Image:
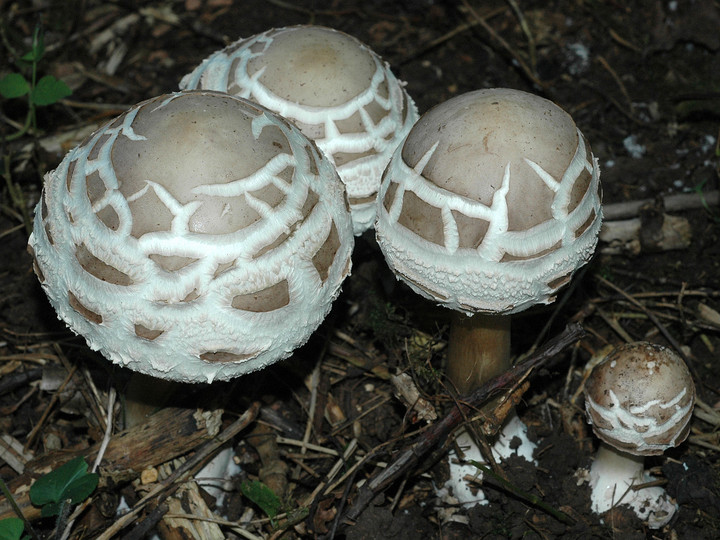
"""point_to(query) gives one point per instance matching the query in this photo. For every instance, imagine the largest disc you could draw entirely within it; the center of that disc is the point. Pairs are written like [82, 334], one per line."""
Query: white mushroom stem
[215, 477]
[479, 349]
[461, 466]
[612, 477]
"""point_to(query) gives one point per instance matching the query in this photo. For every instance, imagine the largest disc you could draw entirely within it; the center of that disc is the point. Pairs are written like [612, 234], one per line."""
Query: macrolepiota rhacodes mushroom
[639, 400]
[334, 88]
[196, 237]
[488, 208]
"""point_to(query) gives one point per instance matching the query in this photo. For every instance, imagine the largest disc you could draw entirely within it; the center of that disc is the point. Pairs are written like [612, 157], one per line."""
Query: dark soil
[641, 80]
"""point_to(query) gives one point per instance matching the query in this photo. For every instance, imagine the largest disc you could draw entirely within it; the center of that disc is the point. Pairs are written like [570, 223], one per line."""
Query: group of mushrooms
[204, 234]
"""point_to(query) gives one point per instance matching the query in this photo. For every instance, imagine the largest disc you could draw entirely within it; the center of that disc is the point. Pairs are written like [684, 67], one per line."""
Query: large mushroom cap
[195, 237]
[335, 89]
[491, 203]
[640, 398]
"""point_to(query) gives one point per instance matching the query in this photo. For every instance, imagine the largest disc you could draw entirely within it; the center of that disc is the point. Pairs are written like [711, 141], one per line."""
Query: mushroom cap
[640, 398]
[491, 203]
[197, 236]
[333, 87]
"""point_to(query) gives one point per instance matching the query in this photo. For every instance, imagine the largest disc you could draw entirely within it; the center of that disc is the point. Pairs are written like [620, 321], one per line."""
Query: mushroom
[639, 400]
[334, 88]
[196, 237]
[488, 207]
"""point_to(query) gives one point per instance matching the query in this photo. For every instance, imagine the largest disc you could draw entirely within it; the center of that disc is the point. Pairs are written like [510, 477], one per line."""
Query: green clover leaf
[11, 528]
[49, 90]
[14, 85]
[70, 482]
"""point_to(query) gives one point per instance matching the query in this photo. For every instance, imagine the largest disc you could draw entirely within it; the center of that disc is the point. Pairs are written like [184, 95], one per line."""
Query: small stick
[126, 454]
[168, 486]
[671, 203]
[108, 430]
[438, 432]
[15, 380]
[459, 29]
[528, 34]
[618, 81]
[663, 330]
[505, 45]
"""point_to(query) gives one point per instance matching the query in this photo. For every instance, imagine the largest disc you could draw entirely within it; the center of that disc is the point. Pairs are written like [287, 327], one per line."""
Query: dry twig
[437, 433]
[168, 486]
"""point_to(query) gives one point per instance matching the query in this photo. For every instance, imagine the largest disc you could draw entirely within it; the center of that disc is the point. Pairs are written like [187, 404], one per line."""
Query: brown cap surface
[640, 398]
[196, 237]
[333, 87]
[491, 203]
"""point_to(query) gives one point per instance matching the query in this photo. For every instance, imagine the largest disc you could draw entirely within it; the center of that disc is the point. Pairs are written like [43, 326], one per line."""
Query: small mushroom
[196, 237]
[488, 208]
[333, 87]
[639, 400]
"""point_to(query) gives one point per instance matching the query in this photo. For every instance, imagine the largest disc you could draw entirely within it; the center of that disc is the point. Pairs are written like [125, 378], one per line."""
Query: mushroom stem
[144, 395]
[478, 349]
[613, 475]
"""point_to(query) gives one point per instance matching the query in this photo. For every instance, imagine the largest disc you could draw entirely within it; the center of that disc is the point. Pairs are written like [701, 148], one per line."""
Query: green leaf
[81, 488]
[11, 528]
[13, 85]
[51, 509]
[49, 90]
[28, 58]
[263, 496]
[70, 481]
[38, 47]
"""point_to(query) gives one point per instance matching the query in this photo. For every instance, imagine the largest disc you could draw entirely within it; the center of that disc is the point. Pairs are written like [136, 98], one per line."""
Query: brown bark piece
[127, 454]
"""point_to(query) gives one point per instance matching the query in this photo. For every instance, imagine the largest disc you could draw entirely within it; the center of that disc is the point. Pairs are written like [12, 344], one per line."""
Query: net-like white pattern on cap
[227, 71]
[637, 428]
[639, 400]
[478, 280]
[181, 304]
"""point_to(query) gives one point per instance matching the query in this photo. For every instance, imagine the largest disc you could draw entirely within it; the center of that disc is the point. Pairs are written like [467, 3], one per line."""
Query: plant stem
[31, 98]
[17, 510]
[62, 518]
[25, 128]
[16, 195]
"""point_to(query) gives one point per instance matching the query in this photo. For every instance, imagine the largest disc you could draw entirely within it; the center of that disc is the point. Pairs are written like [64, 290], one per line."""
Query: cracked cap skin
[196, 237]
[338, 91]
[491, 203]
[640, 399]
